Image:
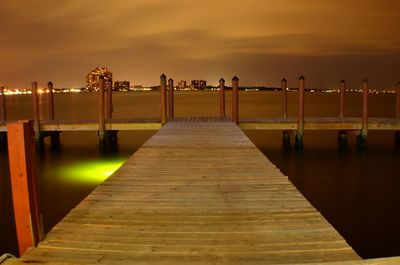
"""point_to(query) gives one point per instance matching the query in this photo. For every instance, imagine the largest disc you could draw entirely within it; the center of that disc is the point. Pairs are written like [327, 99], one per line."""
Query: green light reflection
[90, 172]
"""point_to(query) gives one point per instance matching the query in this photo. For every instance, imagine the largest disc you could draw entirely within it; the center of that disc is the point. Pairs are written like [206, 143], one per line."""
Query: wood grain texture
[195, 193]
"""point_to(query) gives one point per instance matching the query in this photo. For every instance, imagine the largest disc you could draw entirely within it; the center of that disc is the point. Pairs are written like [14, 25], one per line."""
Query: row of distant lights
[76, 90]
[40, 91]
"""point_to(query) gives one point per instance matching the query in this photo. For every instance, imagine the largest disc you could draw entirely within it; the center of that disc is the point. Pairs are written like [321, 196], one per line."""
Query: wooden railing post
[36, 116]
[235, 99]
[285, 134]
[222, 97]
[3, 114]
[109, 100]
[170, 98]
[341, 98]
[102, 128]
[111, 135]
[163, 105]
[398, 101]
[3, 117]
[342, 135]
[24, 185]
[284, 97]
[362, 137]
[50, 100]
[54, 136]
[397, 133]
[300, 114]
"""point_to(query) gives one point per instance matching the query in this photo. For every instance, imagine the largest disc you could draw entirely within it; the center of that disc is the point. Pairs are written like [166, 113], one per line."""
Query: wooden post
[362, 137]
[3, 117]
[235, 99]
[397, 133]
[163, 88]
[300, 114]
[102, 127]
[3, 114]
[111, 136]
[50, 100]
[284, 97]
[285, 134]
[398, 101]
[36, 116]
[24, 184]
[341, 96]
[54, 136]
[109, 101]
[170, 98]
[342, 135]
[222, 98]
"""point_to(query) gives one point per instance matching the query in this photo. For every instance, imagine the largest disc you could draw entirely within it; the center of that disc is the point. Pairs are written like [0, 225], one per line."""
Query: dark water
[357, 192]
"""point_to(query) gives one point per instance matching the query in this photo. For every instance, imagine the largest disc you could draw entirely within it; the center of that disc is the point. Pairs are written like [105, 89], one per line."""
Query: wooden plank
[197, 192]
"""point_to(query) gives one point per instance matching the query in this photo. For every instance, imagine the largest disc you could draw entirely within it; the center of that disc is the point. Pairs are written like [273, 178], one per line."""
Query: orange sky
[261, 41]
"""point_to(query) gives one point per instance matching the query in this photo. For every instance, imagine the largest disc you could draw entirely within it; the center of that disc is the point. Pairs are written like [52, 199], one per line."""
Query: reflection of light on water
[92, 172]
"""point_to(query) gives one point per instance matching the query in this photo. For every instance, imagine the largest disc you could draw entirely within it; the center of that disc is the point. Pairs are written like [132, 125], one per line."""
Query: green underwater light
[93, 172]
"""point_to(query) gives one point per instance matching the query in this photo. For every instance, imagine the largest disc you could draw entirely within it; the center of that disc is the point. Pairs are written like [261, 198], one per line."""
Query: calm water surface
[357, 192]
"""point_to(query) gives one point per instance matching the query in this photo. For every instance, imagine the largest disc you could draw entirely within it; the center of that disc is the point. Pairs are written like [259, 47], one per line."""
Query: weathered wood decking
[195, 193]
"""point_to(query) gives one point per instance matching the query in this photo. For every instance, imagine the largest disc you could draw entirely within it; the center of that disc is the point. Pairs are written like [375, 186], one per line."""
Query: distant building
[121, 86]
[203, 84]
[198, 84]
[92, 78]
[182, 85]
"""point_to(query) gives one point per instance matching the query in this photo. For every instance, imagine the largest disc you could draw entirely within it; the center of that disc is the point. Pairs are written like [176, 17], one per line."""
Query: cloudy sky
[260, 41]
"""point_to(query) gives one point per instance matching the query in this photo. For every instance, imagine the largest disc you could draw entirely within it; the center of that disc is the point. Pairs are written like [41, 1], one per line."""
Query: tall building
[92, 78]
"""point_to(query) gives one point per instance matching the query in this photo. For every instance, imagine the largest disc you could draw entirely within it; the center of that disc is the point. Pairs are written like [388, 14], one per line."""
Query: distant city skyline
[260, 41]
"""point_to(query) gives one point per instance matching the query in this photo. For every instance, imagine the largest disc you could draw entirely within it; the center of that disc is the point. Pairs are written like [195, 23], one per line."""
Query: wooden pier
[195, 193]
[107, 127]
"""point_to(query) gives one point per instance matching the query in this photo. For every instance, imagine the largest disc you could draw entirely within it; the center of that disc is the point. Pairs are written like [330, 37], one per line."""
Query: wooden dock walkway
[195, 193]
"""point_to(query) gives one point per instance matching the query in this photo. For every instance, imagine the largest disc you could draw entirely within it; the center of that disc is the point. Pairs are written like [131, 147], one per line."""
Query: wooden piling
[163, 105]
[3, 117]
[50, 101]
[170, 98]
[284, 97]
[235, 99]
[36, 116]
[102, 133]
[285, 134]
[222, 97]
[24, 184]
[342, 135]
[398, 101]
[341, 98]
[109, 100]
[362, 137]
[300, 114]
[54, 136]
[111, 135]
[397, 133]
[3, 114]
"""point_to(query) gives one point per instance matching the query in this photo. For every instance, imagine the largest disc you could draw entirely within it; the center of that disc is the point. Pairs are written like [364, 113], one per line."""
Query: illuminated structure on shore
[92, 78]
